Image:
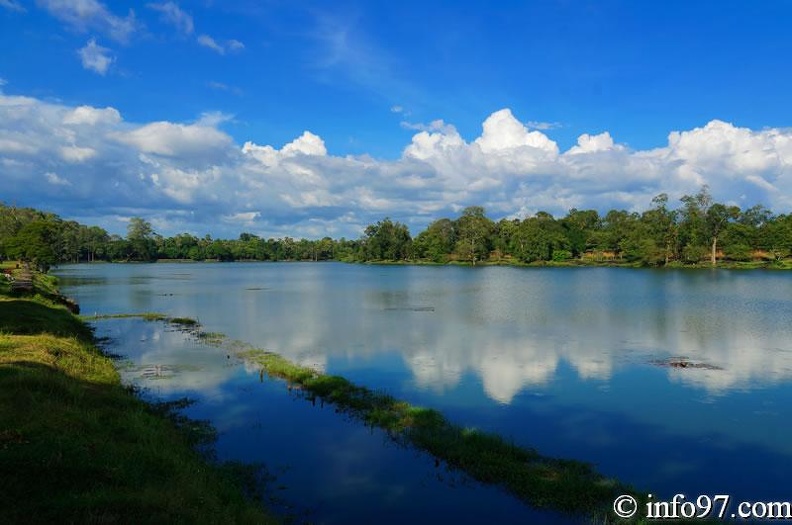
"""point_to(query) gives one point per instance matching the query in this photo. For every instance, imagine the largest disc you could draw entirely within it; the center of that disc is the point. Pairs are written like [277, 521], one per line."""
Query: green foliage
[474, 231]
[437, 241]
[387, 241]
[34, 242]
[537, 238]
[699, 229]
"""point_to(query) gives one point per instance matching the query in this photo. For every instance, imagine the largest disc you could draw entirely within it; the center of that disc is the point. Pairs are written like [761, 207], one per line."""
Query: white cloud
[91, 15]
[76, 154]
[92, 116]
[234, 45]
[174, 15]
[12, 5]
[9, 145]
[220, 47]
[53, 179]
[592, 143]
[95, 57]
[193, 176]
[504, 132]
[306, 144]
[174, 140]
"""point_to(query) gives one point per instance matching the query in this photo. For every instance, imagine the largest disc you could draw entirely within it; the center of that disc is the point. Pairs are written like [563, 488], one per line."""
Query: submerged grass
[78, 447]
[148, 316]
[565, 485]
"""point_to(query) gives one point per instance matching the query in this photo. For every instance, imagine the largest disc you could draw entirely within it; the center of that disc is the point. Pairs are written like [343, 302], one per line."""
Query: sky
[314, 118]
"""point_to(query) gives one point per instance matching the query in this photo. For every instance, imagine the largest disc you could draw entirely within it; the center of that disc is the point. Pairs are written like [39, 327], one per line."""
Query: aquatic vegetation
[148, 316]
[184, 321]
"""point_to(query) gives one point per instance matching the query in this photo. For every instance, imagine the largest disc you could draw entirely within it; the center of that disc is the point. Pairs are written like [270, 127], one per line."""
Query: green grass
[565, 485]
[148, 316]
[78, 447]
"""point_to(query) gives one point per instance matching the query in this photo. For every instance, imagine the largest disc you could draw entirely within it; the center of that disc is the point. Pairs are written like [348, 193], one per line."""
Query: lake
[674, 381]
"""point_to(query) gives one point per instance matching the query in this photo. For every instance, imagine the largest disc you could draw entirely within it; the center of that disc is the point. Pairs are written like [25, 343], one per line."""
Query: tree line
[697, 231]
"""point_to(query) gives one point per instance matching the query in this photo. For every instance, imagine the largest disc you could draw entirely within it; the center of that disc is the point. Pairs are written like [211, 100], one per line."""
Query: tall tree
[474, 231]
[579, 227]
[35, 242]
[661, 225]
[703, 221]
[140, 235]
[437, 241]
[537, 238]
[387, 241]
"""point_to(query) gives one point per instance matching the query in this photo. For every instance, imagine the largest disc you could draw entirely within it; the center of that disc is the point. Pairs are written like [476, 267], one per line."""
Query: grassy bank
[78, 447]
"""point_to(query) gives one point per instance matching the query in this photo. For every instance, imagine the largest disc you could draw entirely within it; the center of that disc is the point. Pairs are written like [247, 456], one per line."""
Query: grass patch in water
[565, 485]
[183, 321]
[148, 316]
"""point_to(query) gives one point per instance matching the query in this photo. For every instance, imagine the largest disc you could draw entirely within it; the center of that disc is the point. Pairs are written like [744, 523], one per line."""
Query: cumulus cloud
[193, 176]
[306, 144]
[91, 15]
[220, 47]
[87, 115]
[174, 15]
[95, 57]
[590, 143]
[502, 131]
[175, 140]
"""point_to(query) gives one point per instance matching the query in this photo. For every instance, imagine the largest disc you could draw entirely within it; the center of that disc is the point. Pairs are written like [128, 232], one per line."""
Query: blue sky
[317, 118]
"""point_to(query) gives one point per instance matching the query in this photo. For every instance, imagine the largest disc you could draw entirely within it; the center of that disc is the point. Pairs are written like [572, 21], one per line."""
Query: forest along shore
[76, 446]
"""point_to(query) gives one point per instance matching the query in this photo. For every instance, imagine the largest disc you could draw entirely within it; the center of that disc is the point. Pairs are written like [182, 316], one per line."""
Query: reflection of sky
[165, 360]
[573, 344]
[328, 469]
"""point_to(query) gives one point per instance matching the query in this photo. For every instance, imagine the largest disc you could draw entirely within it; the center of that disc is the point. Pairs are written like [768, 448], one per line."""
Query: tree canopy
[699, 231]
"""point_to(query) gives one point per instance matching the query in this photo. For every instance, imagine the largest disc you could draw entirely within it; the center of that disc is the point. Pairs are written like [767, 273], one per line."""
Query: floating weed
[148, 316]
[183, 321]
[212, 338]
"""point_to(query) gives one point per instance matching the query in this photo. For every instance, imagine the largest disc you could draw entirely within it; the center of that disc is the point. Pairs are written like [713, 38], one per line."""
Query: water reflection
[329, 469]
[512, 327]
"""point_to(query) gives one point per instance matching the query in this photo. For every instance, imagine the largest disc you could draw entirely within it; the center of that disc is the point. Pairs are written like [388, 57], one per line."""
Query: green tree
[579, 228]
[437, 241]
[141, 239]
[660, 224]
[474, 231]
[35, 243]
[537, 238]
[616, 228]
[387, 241]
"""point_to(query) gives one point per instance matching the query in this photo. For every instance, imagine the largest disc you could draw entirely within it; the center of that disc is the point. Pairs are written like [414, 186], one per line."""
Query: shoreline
[782, 265]
[77, 446]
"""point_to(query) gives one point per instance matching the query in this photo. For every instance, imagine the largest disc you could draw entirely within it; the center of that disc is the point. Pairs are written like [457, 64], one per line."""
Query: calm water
[568, 361]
